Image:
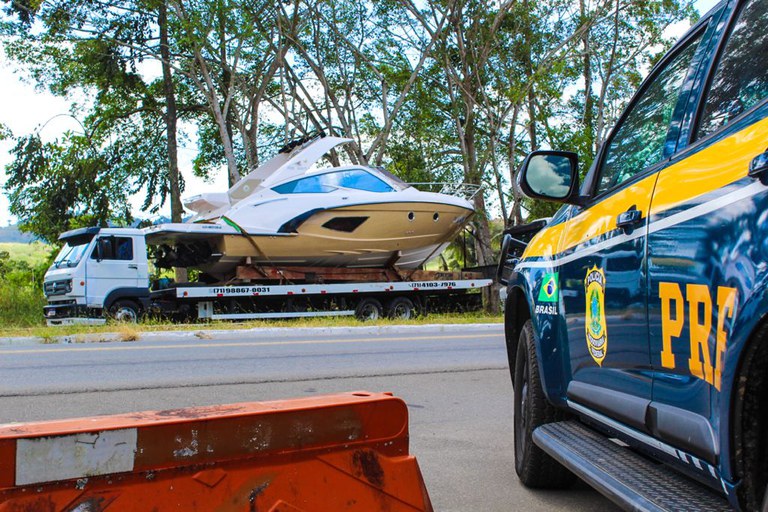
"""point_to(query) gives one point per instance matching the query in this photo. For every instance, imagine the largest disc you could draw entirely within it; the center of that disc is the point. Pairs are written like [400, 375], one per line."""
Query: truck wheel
[125, 311]
[401, 308]
[534, 467]
[369, 309]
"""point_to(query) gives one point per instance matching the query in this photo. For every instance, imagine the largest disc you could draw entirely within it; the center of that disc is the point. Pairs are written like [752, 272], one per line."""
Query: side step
[623, 476]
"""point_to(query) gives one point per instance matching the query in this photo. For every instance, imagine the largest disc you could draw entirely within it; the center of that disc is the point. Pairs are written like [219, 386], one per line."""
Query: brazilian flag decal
[550, 288]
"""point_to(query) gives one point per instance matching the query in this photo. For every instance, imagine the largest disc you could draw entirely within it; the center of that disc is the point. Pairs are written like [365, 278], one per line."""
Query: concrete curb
[267, 332]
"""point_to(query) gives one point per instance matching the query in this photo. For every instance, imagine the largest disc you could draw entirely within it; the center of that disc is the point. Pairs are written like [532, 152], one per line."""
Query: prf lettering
[700, 326]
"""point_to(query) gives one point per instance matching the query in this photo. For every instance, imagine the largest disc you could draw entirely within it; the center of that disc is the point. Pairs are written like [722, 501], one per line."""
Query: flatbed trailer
[366, 300]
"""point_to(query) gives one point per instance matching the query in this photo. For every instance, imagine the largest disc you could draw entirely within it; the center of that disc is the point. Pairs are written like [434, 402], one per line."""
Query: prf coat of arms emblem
[597, 334]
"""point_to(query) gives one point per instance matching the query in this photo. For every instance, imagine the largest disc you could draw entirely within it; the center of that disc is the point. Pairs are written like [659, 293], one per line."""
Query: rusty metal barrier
[339, 452]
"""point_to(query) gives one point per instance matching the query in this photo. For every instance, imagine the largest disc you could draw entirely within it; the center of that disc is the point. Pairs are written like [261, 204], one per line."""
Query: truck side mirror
[101, 248]
[551, 175]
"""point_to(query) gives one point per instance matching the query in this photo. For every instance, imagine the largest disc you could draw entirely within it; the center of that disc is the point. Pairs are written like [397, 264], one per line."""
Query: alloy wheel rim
[125, 315]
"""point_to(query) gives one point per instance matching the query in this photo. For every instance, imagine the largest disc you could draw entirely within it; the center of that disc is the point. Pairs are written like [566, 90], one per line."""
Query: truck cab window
[740, 80]
[123, 249]
[639, 141]
[113, 248]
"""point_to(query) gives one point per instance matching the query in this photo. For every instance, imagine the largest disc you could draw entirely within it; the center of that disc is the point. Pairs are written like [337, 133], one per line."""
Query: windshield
[70, 255]
[357, 179]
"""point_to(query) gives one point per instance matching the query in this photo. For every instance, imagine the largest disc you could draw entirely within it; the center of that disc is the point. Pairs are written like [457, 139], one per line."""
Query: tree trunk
[171, 116]
[588, 117]
[516, 215]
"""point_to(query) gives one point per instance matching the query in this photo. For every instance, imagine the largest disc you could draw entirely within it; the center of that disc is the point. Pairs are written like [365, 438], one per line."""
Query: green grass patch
[35, 253]
[21, 307]
[47, 333]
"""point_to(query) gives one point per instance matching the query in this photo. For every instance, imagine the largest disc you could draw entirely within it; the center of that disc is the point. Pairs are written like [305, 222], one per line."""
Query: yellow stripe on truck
[710, 169]
[593, 222]
[601, 218]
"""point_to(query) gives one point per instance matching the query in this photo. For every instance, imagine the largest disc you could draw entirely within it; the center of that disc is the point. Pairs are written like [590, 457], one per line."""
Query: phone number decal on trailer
[434, 284]
[241, 290]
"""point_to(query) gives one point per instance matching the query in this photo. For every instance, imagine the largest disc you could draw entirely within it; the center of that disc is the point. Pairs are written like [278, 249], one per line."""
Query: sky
[28, 109]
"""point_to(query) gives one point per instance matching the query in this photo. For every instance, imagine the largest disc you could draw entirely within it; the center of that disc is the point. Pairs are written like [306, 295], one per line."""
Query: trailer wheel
[125, 311]
[401, 308]
[533, 465]
[369, 309]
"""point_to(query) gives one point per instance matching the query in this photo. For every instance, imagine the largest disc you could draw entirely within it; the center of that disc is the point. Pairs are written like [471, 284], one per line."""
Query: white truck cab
[98, 271]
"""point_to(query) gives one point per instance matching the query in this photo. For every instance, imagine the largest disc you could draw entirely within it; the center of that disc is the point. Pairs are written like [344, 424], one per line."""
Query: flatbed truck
[104, 272]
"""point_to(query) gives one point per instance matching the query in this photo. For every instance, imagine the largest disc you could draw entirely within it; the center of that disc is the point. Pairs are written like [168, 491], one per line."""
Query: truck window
[70, 255]
[740, 80]
[114, 248]
[639, 141]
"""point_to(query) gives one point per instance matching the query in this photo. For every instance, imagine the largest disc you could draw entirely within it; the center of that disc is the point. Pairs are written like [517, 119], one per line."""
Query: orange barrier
[340, 452]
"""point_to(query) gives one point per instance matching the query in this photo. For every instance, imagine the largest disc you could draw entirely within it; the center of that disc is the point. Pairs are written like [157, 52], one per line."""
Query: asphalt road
[454, 379]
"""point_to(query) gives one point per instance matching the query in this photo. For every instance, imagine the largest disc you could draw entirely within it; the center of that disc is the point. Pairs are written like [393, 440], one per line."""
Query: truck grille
[57, 287]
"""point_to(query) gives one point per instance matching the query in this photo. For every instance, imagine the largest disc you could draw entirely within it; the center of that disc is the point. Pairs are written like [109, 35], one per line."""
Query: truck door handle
[133, 266]
[629, 219]
[758, 165]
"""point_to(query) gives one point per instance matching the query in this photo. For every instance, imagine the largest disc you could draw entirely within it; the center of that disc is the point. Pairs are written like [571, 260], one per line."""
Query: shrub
[21, 294]
[21, 306]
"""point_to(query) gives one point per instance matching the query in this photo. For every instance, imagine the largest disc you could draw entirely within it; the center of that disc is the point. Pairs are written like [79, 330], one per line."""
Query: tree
[57, 186]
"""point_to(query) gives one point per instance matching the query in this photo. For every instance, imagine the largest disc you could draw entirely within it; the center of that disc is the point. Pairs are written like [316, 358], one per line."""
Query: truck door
[111, 265]
[707, 238]
[603, 252]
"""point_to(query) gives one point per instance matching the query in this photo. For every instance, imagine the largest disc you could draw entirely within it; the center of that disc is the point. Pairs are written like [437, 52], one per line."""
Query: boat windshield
[70, 255]
[356, 179]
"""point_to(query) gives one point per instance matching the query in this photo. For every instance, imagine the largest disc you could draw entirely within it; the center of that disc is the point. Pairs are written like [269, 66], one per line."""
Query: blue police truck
[635, 318]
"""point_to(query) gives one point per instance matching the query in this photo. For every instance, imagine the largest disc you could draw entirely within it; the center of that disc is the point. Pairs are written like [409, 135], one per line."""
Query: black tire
[369, 309]
[126, 311]
[401, 308]
[535, 468]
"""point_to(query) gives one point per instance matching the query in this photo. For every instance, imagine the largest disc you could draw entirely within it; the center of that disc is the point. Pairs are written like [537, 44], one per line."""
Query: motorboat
[289, 212]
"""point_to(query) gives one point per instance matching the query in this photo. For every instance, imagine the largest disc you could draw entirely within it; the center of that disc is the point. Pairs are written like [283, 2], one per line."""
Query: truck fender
[139, 295]
[518, 309]
[516, 313]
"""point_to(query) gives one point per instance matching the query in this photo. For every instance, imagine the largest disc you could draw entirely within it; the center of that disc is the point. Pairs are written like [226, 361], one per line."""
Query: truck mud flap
[337, 452]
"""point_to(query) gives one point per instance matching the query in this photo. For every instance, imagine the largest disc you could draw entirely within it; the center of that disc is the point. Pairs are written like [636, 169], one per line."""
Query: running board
[623, 476]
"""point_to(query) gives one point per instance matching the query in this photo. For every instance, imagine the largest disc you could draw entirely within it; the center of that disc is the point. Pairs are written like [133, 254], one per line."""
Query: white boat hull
[404, 235]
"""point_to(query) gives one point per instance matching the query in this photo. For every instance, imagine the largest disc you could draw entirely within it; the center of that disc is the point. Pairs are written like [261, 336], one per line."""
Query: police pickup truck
[635, 318]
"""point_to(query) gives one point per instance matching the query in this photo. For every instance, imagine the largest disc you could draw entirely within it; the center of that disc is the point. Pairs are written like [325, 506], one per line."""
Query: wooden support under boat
[326, 274]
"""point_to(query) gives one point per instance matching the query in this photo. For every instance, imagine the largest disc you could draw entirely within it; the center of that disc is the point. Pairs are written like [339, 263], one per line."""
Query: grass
[127, 333]
[21, 306]
[133, 332]
[34, 253]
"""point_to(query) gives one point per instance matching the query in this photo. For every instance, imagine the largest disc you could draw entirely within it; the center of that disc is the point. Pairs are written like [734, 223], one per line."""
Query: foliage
[34, 254]
[432, 90]
[56, 186]
[21, 297]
